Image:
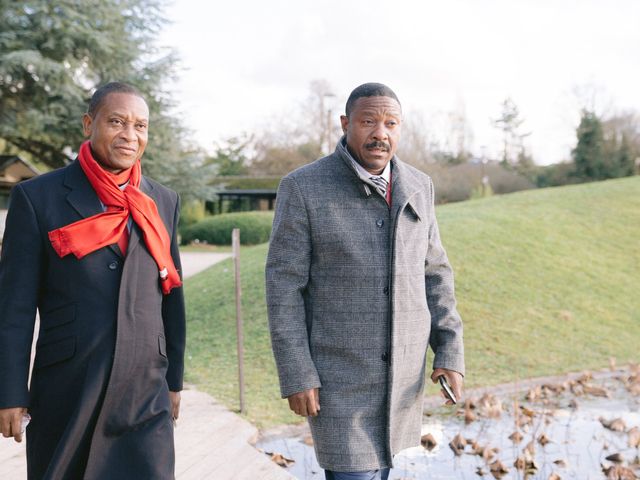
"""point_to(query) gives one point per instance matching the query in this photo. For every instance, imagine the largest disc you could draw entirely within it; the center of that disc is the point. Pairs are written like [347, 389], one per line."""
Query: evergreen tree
[231, 159]
[588, 156]
[623, 160]
[53, 55]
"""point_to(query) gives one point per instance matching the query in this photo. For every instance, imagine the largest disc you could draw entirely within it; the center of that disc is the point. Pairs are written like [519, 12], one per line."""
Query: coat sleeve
[446, 324]
[20, 271]
[173, 317]
[287, 276]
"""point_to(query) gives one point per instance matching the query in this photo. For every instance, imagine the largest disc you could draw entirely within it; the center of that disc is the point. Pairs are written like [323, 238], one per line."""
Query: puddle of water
[562, 433]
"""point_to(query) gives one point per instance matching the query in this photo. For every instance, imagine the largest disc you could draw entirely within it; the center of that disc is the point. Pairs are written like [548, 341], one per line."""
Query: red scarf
[90, 234]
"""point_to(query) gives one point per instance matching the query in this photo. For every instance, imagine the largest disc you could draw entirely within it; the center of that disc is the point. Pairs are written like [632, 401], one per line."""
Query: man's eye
[141, 126]
[116, 121]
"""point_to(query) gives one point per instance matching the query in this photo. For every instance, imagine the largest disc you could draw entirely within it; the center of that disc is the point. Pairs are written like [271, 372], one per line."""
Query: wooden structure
[13, 169]
[240, 200]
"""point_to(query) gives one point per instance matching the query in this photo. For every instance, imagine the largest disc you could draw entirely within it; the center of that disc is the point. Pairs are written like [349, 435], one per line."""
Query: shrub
[191, 212]
[255, 227]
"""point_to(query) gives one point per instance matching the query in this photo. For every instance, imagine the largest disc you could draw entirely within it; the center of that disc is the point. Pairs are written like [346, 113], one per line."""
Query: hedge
[255, 227]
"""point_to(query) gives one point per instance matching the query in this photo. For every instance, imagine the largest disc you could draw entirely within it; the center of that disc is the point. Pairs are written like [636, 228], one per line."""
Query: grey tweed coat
[356, 292]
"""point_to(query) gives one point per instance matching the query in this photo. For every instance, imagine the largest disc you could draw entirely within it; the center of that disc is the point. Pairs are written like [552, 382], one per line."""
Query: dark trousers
[368, 475]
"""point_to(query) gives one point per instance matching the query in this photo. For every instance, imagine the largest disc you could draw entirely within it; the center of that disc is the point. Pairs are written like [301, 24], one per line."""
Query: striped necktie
[381, 185]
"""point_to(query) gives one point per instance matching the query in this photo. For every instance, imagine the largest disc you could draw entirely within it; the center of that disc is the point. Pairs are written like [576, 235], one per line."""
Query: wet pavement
[582, 427]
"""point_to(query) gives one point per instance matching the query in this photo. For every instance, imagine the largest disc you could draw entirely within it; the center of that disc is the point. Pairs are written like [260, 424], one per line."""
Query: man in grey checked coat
[358, 286]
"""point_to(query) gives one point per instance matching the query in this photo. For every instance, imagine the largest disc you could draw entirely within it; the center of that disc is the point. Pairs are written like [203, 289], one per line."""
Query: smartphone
[447, 389]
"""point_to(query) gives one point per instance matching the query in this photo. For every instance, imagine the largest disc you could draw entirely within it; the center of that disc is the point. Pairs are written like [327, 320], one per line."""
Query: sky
[247, 63]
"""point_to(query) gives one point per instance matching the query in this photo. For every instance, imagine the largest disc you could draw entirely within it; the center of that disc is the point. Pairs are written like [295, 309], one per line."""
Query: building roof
[7, 160]
[255, 193]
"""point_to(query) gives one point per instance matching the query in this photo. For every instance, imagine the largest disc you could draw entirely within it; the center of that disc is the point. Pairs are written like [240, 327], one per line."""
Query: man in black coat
[109, 359]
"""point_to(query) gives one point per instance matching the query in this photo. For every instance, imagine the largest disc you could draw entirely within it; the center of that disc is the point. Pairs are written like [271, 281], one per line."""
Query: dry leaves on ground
[280, 459]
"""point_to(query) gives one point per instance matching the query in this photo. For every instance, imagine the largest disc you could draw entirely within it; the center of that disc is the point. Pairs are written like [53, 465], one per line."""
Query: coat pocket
[59, 316]
[55, 352]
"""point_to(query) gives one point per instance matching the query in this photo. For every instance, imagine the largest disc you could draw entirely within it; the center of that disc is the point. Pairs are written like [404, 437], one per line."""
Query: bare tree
[510, 123]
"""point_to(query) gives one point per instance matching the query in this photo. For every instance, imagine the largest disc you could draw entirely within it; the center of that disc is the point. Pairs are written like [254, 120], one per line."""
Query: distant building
[13, 170]
[241, 200]
[242, 193]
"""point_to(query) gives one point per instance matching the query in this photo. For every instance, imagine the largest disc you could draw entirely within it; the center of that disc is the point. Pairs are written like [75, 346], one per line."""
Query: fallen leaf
[615, 457]
[457, 444]
[530, 448]
[490, 406]
[595, 391]
[634, 437]
[516, 437]
[616, 425]
[308, 440]
[528, 412]
[543, 440]
[469, 416]
[281, 459]
[618, 472]
[585, 377]
[428, 441]
[498, 469]
[486, 452]
[555, 476]
[534, 393]
[560, 463]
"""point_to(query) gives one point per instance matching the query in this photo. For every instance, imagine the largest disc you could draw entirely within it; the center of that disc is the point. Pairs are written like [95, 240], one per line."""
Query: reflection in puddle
[569, 430]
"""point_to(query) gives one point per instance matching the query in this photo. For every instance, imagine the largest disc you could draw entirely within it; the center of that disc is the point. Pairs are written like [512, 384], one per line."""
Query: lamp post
[326, 123]
[485, 177]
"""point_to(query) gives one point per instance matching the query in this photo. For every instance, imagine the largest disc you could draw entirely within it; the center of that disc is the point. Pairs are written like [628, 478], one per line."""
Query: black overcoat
[110, 345]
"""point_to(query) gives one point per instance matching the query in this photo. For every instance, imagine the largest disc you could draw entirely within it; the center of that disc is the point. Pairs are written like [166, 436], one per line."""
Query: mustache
[378, 144]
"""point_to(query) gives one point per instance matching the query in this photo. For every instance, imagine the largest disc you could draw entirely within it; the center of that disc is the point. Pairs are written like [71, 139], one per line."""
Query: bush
[456, 183]
[191, 212]
[255, 227]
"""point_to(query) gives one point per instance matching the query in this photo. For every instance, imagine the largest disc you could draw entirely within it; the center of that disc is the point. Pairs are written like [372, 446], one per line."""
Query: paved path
[211, 442]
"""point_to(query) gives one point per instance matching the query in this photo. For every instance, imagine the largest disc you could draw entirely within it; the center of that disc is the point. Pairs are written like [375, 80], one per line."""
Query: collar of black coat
[84, 200]
[404, 180]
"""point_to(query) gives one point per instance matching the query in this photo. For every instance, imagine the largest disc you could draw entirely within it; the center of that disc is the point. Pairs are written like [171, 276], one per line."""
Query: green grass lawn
[547, 282]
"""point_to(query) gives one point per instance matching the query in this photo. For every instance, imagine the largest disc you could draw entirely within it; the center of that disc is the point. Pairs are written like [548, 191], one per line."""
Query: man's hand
[11, 422]
[175, 404]
[305, 404]
[454, 379]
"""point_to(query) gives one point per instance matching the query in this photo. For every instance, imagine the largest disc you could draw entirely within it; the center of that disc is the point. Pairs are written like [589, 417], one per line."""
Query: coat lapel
[403, 187]
[82, 197]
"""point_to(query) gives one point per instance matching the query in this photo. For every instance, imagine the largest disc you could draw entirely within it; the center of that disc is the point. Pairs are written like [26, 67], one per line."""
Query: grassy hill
[547, 282]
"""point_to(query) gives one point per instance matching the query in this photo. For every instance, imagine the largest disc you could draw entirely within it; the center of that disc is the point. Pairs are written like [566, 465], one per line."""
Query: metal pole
[235, 241]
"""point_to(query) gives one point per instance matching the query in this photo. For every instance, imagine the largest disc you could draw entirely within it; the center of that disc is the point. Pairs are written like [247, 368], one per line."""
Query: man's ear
[344, 121]
[87, 122]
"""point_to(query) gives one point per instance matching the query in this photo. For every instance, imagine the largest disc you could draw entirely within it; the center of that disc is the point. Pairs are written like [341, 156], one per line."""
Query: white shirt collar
[386, 173]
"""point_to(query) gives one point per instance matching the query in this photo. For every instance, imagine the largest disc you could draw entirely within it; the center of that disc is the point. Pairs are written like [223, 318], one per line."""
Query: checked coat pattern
[356, 292]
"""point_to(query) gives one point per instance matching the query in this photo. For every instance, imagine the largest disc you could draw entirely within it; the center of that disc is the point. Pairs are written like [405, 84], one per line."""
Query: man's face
[118, 131]
[373, 131]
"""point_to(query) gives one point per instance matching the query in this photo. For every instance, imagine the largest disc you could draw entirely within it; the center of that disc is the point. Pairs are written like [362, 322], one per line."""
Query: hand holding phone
[447, 389]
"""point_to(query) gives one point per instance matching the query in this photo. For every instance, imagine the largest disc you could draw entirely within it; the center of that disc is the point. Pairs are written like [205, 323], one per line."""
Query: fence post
[235, 241]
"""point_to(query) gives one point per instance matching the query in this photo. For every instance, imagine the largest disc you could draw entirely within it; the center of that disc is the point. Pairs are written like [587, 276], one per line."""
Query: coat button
[113, 265]
[385, 357]
[386, 290]
[380, 223]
